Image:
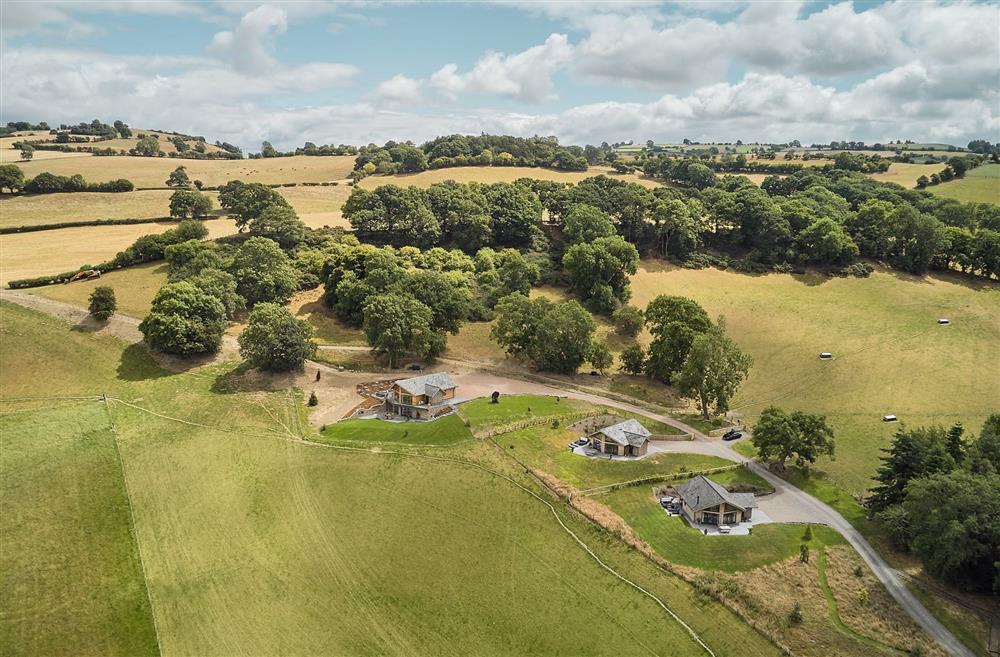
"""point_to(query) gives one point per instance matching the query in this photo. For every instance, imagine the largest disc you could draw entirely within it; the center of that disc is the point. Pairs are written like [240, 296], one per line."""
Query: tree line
[12, 179]
[938, 497]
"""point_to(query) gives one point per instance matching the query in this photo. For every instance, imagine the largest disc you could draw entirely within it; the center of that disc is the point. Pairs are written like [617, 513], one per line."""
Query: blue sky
[355, 72]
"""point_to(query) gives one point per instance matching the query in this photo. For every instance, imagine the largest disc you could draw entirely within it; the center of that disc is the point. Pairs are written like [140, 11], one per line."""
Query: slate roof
[627, 432]
[427, 384]
[702, 493]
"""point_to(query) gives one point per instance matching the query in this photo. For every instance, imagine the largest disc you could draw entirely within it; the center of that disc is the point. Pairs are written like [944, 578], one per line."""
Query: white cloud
[248, 47]
[525, 76]
[400, 89]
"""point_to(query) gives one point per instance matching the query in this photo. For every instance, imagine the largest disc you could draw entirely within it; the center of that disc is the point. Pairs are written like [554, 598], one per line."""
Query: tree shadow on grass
[245, 378]
[137, 364]
[90, 325]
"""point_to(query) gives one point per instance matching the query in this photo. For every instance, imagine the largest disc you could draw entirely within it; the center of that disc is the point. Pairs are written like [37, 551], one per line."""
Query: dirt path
[475, 383]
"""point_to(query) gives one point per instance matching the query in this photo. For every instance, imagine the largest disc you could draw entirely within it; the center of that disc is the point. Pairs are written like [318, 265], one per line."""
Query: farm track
[122, 326]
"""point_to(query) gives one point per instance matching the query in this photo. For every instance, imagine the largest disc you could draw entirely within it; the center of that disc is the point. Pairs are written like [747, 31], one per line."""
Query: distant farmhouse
[422, 397]
[627, 438]
[705, 502]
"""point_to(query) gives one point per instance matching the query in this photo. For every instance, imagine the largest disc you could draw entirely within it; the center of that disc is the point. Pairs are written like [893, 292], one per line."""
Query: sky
[586, 72]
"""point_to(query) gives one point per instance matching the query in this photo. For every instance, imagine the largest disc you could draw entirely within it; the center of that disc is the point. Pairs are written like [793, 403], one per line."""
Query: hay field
[319, 206]
[84, 206]
[890, 355]
[499, 174]
[980, 185]
[906, 174]
[13, 155]
[153, 171]
[255, 544]
[25, 255]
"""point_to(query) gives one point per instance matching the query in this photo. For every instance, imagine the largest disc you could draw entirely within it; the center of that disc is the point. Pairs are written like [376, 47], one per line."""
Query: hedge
[91, 222]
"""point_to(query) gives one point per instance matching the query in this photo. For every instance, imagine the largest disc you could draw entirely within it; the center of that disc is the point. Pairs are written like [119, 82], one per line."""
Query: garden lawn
[979, 185]
[442, 431]
[547, 449]
[72, 579]
[680, 543]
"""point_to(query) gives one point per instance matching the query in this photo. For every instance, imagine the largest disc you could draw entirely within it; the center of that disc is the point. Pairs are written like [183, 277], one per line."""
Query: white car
[725, 529]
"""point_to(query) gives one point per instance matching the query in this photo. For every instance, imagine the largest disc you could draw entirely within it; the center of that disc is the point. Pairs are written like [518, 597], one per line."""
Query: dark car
[732, 434]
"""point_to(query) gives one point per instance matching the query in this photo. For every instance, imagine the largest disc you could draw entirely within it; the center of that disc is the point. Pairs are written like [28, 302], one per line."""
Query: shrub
[102, 303]
[795, 615]
[313, 399]
[804, 553]
[628, 320]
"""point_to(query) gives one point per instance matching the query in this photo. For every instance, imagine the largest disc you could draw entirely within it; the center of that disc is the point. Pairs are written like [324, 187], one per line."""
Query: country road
[478, 383]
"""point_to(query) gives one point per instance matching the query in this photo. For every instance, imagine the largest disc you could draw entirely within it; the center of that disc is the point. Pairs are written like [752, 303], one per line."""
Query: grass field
[890, 355]
[72, 581]
[55, 208]
[134, 288]
[498, 174]
[44, 252]
[318, 206]
[153, 171]
[906, 174]
[979, 185]
[443, 431]
[680, 543]
[255, 544]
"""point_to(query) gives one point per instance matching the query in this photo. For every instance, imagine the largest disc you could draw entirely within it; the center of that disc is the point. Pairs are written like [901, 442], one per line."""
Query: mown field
[54, 251]
[979, 185]
[890, 355]
[906, 174]
[498, 174]
[153, 171]
[44, 209]
[255, 543]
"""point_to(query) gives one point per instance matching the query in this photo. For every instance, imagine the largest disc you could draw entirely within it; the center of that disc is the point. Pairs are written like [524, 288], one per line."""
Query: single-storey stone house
[626, 438]
[422, 397]
[705, 502]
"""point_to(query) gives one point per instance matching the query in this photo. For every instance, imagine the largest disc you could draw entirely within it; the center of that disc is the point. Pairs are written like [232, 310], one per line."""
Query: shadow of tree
[244, 378]
[137, 364]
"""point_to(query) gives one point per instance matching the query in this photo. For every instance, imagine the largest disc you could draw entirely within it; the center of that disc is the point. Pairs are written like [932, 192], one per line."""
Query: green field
[890, 355]
[443, 431]
[979, 185]
[72, 580]
[256, 543]
[680, 543]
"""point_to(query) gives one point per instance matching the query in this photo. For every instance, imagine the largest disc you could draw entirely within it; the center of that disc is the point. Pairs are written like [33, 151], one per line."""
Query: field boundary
[131, 522]
[32, 228]
[673, 476]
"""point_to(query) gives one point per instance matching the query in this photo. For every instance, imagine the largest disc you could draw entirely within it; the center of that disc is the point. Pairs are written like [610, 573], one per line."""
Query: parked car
[581, 442]
[725, 529]
[732, 434]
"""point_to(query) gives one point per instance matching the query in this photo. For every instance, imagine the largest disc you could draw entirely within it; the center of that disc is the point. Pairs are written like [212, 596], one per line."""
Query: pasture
[152, 172]
[332, 552]
[73, 583]
[979, 185]
[443, 431]
[44, 252]
[499, 174]
[890, 355]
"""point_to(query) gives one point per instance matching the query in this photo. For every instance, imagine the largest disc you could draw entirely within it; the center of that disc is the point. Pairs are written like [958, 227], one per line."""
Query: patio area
[742, 529]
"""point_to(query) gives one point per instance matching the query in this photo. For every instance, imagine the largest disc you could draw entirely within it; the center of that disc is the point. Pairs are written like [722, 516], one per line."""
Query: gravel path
[788, 501]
